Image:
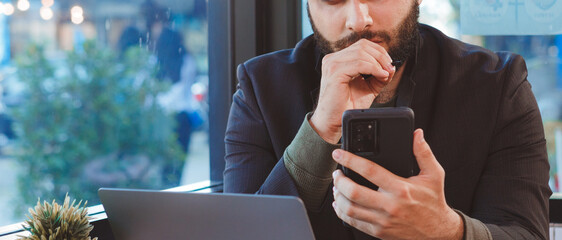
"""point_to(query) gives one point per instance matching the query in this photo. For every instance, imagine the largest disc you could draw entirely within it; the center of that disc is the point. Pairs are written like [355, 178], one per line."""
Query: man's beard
[401, 45]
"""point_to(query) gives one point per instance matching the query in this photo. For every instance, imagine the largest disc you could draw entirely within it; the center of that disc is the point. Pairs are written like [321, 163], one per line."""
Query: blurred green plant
[91, 120]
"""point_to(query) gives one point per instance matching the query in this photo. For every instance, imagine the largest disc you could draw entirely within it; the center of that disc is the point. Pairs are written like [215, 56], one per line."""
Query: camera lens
[363, 137]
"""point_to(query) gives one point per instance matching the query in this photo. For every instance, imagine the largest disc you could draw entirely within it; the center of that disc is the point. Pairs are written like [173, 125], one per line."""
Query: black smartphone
[382, 135]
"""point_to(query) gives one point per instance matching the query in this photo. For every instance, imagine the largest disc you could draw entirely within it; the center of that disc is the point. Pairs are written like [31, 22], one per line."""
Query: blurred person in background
[176, 65]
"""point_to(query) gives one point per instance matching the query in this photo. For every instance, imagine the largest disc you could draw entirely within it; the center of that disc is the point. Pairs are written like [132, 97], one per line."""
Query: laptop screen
[147, 214]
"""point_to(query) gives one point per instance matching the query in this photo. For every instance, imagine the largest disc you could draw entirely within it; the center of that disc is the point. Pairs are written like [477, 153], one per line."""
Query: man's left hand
[402, 208]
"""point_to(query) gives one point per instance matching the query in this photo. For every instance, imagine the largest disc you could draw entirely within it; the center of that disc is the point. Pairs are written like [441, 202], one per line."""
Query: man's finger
[379, 62]
[358, 211]
[424, 156]
[377, 51]
[368, 169]
[364, 226]
[358, 194]
[353, 65]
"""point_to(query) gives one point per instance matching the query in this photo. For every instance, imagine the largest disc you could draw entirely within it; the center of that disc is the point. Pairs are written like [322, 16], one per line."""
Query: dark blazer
[476, 108]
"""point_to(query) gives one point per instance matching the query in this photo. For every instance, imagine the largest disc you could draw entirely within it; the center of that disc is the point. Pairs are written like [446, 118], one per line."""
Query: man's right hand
[342, 87]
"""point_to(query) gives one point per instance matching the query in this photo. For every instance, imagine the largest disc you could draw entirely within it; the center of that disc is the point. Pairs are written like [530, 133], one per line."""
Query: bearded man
[480, 147]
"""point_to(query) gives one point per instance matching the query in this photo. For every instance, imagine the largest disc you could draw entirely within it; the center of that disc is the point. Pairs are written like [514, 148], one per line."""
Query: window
[100, 94]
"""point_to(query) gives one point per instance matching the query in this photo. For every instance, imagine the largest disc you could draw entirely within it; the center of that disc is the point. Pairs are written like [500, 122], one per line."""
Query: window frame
[240, 30]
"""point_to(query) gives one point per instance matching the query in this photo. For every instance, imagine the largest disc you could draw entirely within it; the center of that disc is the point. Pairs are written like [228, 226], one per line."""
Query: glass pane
[100, 94]
[511, 17]
[306, 26]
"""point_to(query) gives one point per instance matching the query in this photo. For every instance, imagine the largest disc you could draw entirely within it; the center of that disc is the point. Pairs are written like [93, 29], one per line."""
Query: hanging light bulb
[77, 14]
[23, 5]
[46, 13]
[9, 9]
[77, 20]
[77, 11]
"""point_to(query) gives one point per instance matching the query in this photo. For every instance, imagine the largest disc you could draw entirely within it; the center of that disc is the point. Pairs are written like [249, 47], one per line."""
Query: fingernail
[421, 137]
[334, 174]
[336, 154]
[334, 204]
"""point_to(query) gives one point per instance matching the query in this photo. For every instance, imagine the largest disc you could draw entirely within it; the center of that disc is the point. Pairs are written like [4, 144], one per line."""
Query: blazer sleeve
[251, 164]
[513, 192]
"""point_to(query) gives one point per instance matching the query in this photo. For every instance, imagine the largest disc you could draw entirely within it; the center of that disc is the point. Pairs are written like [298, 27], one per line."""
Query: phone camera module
[363, 136]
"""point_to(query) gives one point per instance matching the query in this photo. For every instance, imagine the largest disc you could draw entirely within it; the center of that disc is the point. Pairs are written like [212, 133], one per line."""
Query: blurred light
[198, 90]
[77, 19]
[77, 11]
[23, 5]
[2, 8]
[46, 13]
[77, 14]
[47, 3]
[9, 9]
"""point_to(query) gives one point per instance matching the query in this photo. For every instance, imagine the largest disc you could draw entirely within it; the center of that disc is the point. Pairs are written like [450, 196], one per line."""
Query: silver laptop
[146, 214]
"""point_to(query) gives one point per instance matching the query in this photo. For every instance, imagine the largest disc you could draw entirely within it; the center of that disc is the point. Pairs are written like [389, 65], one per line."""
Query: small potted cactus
[56, 222]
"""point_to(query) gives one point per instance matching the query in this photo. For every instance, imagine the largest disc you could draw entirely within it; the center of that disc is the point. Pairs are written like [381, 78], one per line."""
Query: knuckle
[371, 171]
[384, 224]
[381, 55]
[440, 171]
[363, 65]
[350, 212]
[327, 57]
[362, 43]
[336, 181]
[393, 210]
[360, 63]
[426, 151]
[354, 193]
[364, 55]
[404, 191]
[351, 221]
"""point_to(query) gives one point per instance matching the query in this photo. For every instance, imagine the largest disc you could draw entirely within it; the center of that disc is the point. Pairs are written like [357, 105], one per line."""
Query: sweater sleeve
[308, 160]
[474, 229]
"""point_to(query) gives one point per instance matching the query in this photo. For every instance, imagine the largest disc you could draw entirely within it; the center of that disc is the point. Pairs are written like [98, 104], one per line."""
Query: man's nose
[358, 17]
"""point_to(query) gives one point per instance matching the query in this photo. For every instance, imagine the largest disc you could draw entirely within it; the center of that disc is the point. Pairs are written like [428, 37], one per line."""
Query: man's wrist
[329, 135]
[457, 225]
